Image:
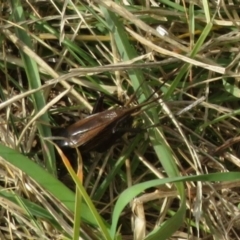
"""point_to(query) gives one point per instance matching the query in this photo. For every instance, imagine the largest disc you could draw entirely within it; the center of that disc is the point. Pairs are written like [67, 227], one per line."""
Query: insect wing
[88, 128]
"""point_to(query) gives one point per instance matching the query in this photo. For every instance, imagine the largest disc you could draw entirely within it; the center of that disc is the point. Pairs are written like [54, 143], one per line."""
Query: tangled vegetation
[175, 173]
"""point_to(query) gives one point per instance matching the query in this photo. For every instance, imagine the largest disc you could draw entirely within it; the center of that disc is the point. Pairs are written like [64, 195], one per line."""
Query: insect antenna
[184, 110]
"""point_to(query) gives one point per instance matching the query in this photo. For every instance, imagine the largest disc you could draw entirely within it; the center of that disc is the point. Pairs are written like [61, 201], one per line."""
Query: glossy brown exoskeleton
[101, 130]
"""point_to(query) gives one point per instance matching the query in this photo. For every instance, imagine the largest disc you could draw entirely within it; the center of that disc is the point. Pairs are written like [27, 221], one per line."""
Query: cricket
[102, 129]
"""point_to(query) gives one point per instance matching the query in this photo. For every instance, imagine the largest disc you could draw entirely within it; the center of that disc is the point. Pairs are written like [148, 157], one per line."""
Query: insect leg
[123, 125]
[98, 107]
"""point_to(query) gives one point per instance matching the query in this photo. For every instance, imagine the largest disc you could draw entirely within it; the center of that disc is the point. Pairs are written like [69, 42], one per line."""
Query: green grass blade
[135, 190]
[45, 180]
[34, 82]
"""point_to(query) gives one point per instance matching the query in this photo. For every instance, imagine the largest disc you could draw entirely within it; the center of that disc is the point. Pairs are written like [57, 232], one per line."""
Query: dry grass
[176, 180]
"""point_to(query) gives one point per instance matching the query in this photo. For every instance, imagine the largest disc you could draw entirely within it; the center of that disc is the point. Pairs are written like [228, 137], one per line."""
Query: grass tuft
[178, 178]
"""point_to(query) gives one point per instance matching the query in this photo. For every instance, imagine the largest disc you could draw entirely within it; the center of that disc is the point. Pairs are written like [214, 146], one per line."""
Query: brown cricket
[101, 130]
